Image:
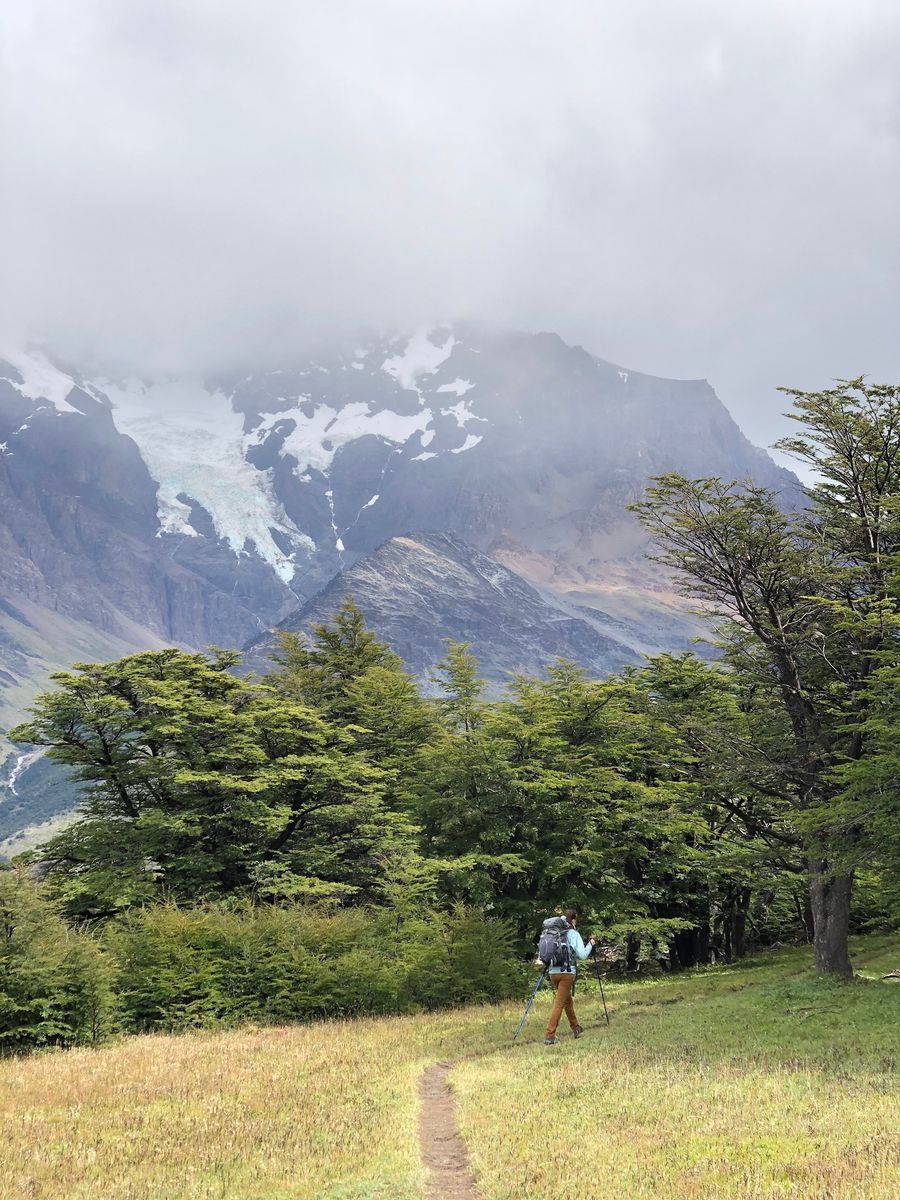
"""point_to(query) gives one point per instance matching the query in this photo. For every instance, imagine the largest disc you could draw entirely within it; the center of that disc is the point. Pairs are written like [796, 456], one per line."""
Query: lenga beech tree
[810, 603]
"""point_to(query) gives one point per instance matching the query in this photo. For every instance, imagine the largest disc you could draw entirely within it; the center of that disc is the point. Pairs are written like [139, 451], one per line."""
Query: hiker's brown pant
[562, 985]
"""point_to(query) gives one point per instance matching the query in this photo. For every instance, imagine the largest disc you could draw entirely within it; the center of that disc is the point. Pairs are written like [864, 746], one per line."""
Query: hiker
[563, 980]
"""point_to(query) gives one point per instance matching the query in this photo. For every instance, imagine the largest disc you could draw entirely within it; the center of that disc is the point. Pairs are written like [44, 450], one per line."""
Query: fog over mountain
[460, 481]
[700, 189]
[193, 511]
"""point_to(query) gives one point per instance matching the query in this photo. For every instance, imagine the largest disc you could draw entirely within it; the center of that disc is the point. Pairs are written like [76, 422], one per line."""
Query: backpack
[553, 946]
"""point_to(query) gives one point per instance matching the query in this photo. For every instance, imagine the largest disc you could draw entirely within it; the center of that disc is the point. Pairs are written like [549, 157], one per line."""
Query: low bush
[55, 982]
[177, 968]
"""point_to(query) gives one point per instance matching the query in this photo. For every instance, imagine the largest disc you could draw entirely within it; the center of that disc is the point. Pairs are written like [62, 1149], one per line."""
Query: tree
[55, 986]
[552, 796]
[809, 604]
[462, 698]
[204, 785]
[323, 673]
[729, 747]
[868, 804]
[357, 682]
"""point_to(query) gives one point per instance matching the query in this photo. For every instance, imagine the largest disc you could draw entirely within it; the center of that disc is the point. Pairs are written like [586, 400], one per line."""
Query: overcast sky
[687, 188]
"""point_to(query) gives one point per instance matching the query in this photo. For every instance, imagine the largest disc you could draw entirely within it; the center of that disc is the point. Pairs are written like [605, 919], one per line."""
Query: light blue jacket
[577, 946]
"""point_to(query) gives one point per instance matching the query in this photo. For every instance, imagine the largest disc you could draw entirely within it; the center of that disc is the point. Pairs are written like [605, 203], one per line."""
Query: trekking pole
[530, 1002]
[600, 981]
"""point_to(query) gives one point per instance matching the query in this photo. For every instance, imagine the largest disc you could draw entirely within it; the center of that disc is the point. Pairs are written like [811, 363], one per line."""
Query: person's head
[571, 916]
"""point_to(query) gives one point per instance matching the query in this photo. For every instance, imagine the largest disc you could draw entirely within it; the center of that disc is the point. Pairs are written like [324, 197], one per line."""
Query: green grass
[755, 1081]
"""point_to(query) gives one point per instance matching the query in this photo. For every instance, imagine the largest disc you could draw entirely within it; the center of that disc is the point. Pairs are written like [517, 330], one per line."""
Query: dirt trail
[443, 1150]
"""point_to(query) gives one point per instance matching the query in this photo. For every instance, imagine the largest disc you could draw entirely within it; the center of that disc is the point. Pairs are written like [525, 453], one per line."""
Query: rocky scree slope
[417, 589]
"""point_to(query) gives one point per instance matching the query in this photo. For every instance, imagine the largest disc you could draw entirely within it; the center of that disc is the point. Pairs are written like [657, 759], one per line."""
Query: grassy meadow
[750, 1081]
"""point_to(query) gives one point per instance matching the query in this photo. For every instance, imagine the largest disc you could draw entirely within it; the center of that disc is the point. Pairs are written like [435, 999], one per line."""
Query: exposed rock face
[134, 514]
[201, 512]
[79, 533]
[418, 589]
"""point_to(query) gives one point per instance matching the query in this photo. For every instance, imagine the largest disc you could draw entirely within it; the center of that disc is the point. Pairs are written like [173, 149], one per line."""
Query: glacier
[193, 443]
[211, 446]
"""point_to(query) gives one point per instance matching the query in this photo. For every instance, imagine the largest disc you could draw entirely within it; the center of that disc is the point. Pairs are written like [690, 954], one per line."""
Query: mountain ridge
[177, 511]
[420, 589]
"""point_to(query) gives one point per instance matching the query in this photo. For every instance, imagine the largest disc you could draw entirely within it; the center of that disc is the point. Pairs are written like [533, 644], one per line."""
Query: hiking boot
[577, 1031]
[550, 1041]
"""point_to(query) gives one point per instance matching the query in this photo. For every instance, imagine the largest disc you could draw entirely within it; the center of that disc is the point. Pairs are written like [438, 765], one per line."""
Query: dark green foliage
[653, 801]
[569, 791]
[54, 981]
[202, 785]
[867, 808]
[689, 811]
[810, 605]
[358, 683]
[740, 865]
[194, 967]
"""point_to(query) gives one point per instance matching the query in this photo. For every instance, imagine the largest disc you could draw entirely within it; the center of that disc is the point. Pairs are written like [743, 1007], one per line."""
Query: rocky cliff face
[80, 529]
[417, 589]
[193, 512]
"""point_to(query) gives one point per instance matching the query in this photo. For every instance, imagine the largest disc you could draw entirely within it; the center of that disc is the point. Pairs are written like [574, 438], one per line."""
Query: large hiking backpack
[553, 947]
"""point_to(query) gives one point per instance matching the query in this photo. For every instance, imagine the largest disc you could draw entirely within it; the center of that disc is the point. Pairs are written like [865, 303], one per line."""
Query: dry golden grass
[250, 1114]
[757, 1082]
[326, 1110]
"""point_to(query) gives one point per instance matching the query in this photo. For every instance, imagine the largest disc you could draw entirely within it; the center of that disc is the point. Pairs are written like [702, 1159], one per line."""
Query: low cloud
[693, 189]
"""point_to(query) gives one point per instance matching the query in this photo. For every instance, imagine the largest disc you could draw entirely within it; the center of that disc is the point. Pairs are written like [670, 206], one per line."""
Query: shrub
[54, 981]
[178, 968]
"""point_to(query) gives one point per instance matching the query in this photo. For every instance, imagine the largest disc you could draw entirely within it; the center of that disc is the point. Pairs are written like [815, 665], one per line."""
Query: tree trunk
[739, 923]
[688, 946]
[702, 943]
[829, 897]
[804, 917]
[632, 951]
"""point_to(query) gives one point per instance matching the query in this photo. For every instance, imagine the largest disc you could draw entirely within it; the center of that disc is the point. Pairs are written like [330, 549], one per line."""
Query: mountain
[418, 589]
[136, 513]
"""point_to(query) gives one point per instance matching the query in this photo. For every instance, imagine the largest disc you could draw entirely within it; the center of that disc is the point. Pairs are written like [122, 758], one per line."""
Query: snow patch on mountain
[461, 412]
[193, 443]
[196, 446]
[338, 541]
[470, 442]
[459, 387]
[20, 766]
[421, 357]
[317, 436]
[40, 379]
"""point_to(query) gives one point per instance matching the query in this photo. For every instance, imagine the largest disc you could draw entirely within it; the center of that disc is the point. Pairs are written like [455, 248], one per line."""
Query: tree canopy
[808, 601]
